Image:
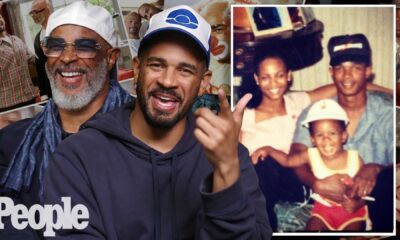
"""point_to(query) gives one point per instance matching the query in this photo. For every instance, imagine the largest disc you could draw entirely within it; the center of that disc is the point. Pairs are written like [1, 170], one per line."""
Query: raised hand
[259, 154]
[219, 136]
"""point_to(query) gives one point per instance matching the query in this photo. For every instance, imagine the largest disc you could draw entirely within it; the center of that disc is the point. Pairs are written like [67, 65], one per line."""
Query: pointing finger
[240, 106]
[225, 109]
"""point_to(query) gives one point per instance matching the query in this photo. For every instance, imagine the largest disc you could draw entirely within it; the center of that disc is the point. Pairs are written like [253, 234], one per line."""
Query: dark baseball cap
[354, 48]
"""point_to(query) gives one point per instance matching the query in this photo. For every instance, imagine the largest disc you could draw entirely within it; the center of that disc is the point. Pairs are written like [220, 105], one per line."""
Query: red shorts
[336, 218]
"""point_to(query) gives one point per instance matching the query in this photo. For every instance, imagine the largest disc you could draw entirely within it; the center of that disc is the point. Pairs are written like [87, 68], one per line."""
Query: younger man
[152, 170]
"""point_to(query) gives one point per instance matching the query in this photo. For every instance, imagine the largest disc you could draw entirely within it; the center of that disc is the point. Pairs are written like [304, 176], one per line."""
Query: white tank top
[321, 171]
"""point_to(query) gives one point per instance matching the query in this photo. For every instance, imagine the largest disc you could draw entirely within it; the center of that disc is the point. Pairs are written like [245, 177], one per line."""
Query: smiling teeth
[70, 74]
[274, 91]
[328, 149]
[165, 99]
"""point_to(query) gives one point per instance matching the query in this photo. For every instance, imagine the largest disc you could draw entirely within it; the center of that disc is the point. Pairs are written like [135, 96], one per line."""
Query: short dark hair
[342, 125]
[262, 55]
[176, 37]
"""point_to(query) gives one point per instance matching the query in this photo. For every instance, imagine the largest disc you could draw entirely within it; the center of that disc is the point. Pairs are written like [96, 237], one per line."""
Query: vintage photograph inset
[319, 127]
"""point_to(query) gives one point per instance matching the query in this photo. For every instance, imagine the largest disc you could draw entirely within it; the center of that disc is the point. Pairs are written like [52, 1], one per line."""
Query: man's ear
[204, 82]
[112, 58]
[368, 72]
[331, 71]
[136, 66]
[312, 140]
[345, 135]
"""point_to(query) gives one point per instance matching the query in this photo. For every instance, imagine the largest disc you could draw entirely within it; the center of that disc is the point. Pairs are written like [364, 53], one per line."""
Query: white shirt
[276, 132]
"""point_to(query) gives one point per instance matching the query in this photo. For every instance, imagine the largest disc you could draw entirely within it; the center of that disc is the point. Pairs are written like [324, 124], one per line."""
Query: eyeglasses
[84, 48]
[36, 11]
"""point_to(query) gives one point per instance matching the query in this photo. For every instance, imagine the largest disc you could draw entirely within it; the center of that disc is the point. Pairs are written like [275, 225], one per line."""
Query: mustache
[74, 67]
[67, 68]
[166, 91]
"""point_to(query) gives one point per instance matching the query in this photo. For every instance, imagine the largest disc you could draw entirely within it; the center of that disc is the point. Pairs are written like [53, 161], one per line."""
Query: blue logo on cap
[184, 18]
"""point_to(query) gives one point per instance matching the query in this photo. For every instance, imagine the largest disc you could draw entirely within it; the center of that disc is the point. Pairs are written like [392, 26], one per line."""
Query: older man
[81, 48]
[16, 88]
[40, 12]
[133, 22]
[165, 174]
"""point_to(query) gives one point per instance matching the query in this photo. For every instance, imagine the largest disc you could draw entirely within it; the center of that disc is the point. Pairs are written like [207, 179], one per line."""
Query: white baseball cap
[325, 109]
[84, 14]
[185, 20]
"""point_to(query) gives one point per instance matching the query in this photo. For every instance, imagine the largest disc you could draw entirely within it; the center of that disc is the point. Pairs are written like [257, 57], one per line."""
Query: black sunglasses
[84, 47]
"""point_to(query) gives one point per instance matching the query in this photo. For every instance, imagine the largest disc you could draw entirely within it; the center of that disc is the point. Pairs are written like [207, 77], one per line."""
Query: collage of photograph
[199, 119]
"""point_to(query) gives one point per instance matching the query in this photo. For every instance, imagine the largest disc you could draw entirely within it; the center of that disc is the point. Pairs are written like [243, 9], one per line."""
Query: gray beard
[94, 84]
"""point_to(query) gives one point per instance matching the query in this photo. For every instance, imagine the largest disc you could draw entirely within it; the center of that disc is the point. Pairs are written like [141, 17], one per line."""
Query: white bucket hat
[84, 14]
[185, 20]
[325, 109]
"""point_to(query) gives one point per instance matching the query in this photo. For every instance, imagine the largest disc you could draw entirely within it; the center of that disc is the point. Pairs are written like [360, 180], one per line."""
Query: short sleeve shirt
[16, 85]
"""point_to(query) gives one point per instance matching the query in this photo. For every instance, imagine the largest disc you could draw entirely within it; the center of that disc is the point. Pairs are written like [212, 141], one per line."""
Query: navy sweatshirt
[10, 138]
[135, 192]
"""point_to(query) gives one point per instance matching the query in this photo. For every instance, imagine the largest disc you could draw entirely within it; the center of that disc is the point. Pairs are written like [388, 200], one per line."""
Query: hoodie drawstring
[173, 201]
[156, 191]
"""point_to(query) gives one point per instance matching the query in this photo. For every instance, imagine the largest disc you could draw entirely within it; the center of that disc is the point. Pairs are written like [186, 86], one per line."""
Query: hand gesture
[219, 136]
[259, 154]
[364, 181]
[333, 187]
[352, 204]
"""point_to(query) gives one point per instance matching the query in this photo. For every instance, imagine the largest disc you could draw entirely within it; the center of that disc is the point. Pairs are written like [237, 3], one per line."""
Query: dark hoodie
[135, 192]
